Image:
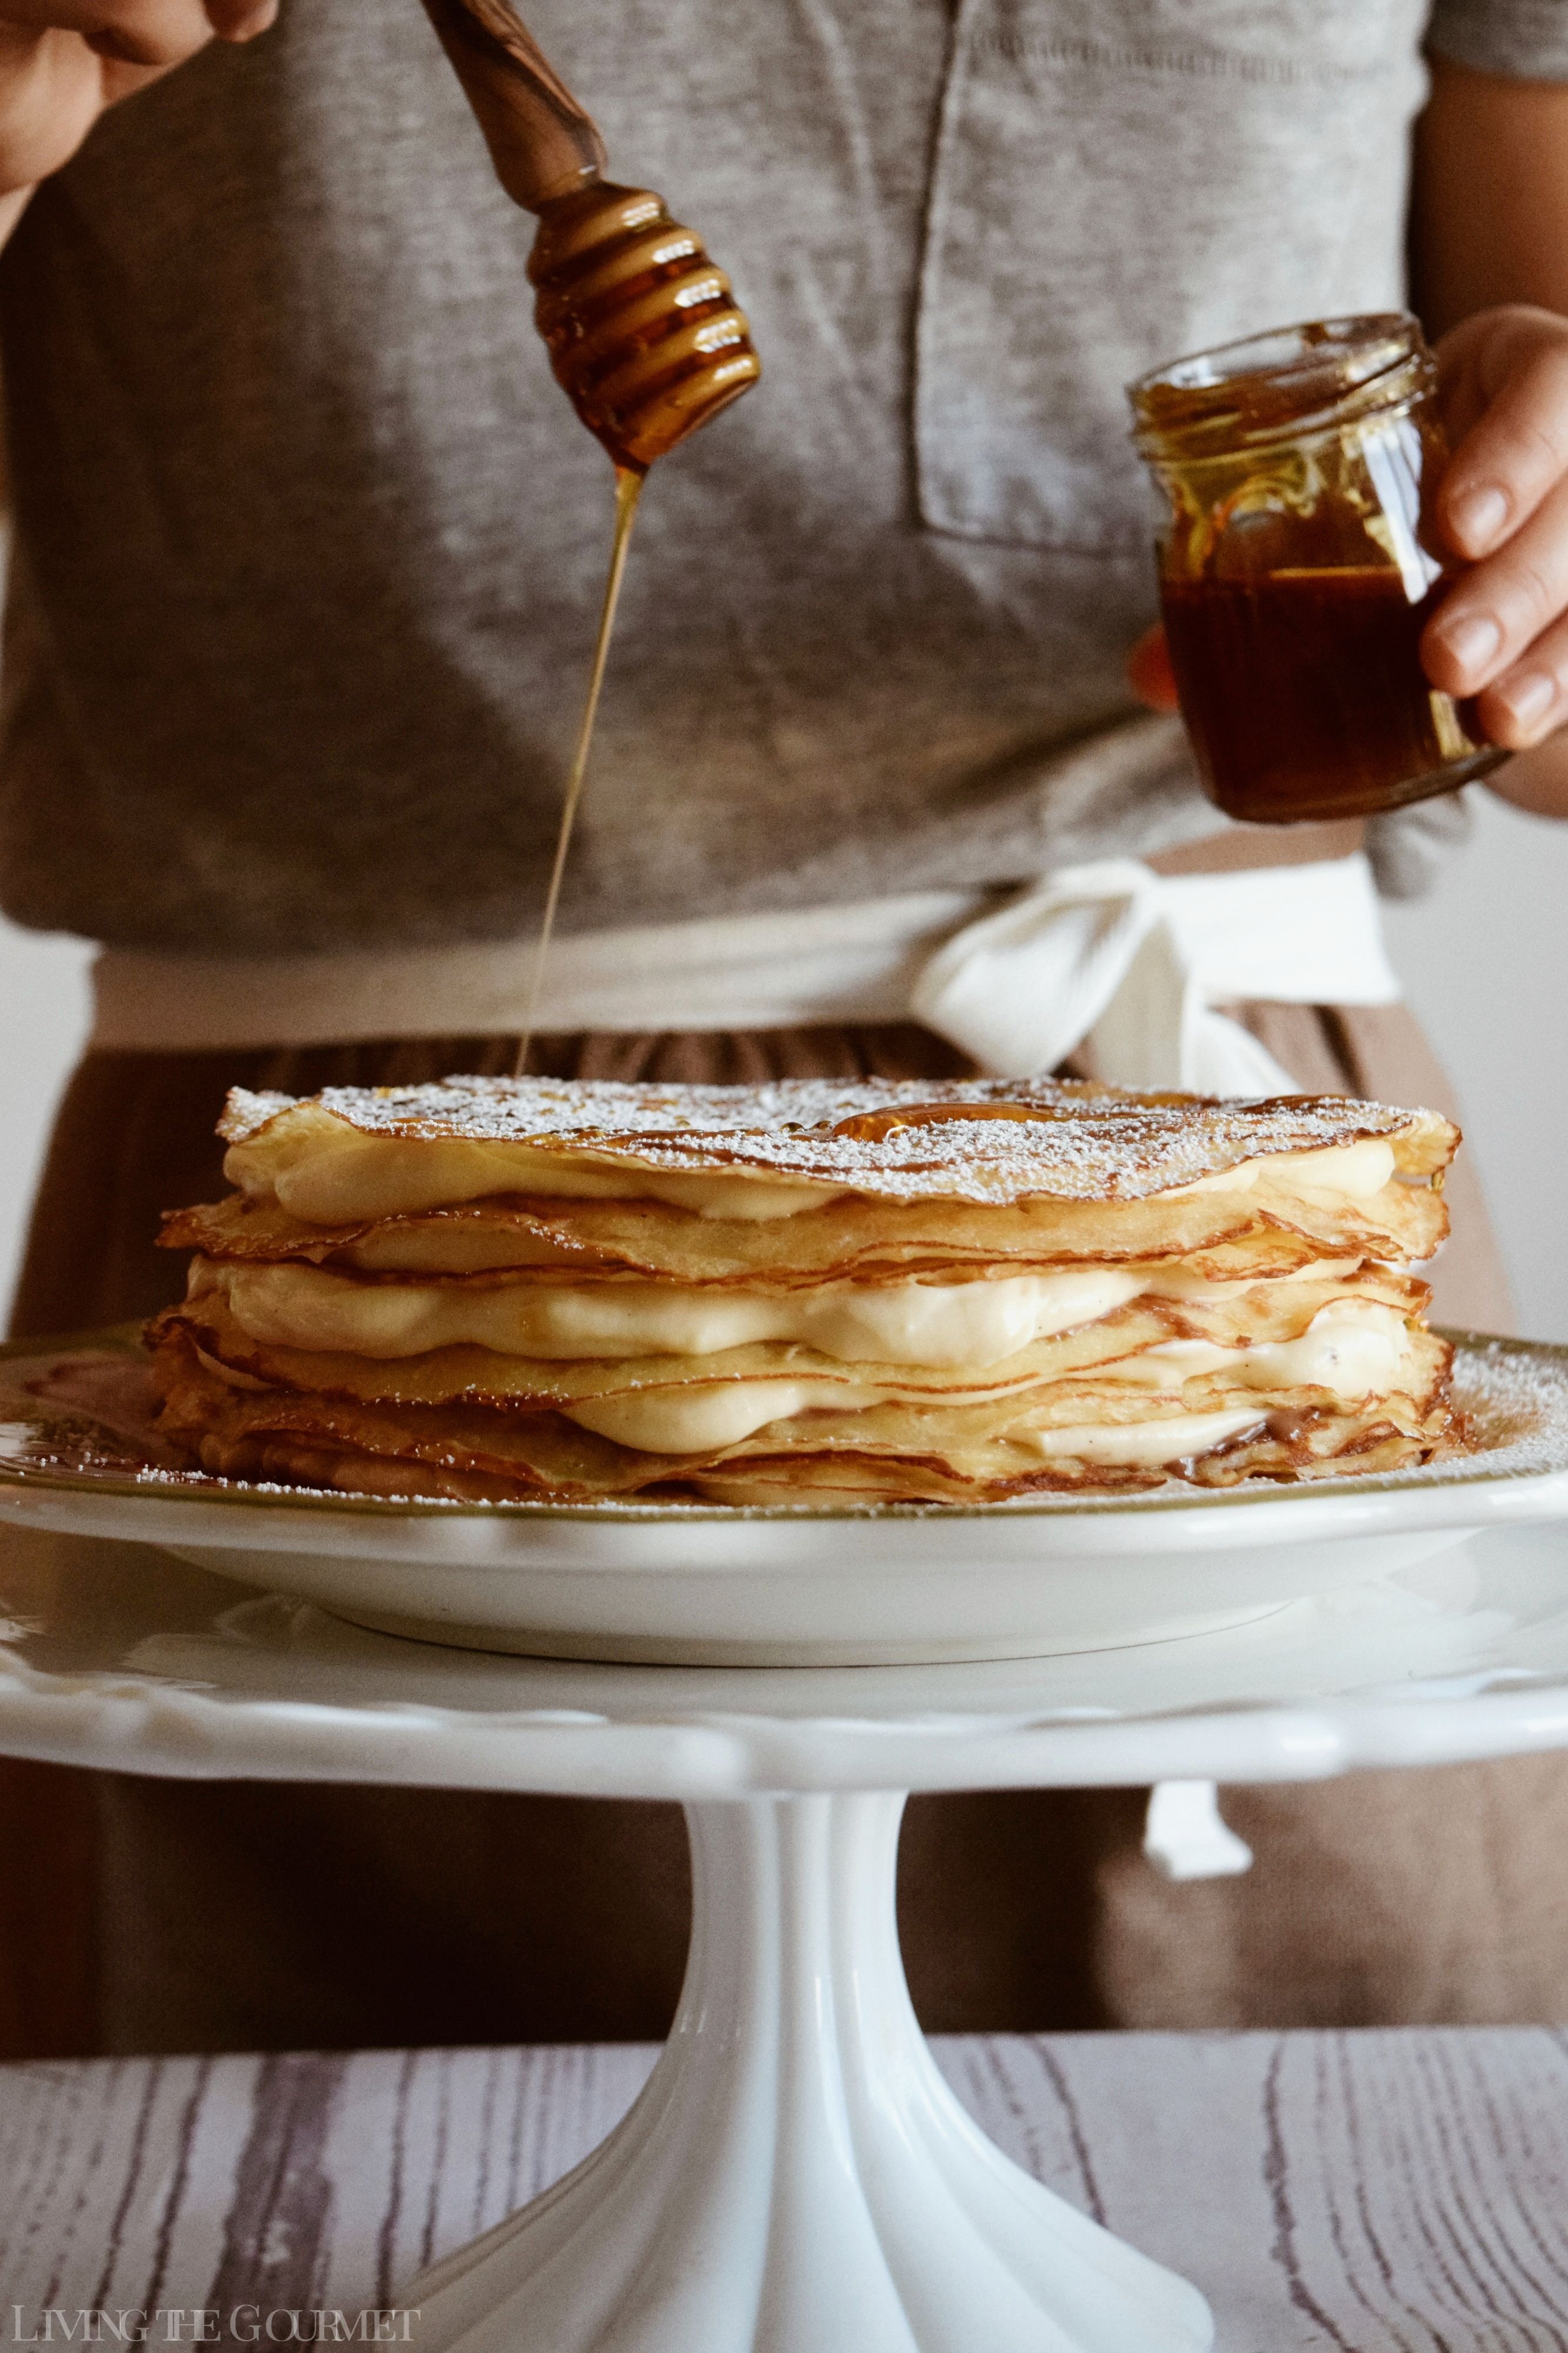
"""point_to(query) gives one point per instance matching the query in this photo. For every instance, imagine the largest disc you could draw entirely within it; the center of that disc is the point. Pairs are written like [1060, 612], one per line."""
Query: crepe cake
[812, 1291]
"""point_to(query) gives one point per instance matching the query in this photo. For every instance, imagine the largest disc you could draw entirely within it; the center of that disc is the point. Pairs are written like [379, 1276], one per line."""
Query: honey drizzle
[629, 481]
[876, 1126]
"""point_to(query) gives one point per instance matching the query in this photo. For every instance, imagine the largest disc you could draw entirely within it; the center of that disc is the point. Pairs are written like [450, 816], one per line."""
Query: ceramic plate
[115, 1655]
[704, 1585]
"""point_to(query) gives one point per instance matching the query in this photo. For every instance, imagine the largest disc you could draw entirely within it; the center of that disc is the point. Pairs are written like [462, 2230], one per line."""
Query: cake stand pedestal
[797, 2177]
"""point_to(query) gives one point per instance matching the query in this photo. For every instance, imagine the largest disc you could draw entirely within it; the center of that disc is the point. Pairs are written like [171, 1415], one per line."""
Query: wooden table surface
[1379, 2192]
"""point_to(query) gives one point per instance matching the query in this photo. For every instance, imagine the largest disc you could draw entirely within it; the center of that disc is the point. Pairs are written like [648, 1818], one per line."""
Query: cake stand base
[796, 2175]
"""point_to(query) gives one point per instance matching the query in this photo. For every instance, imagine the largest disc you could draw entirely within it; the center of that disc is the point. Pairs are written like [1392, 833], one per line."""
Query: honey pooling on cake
[874, 1126]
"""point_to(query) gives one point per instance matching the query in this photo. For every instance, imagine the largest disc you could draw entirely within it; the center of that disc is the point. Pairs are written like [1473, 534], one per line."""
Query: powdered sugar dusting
[1087, 1142]
[1512, 1397]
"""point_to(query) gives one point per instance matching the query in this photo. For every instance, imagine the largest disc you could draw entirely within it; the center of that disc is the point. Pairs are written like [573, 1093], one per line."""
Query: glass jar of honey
[1297, 568]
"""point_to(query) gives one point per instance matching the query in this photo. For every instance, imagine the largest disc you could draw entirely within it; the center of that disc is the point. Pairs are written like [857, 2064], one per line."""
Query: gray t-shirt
[310, 544]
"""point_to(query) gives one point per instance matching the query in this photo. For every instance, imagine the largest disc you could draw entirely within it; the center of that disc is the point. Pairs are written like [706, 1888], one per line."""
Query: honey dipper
[643, 331]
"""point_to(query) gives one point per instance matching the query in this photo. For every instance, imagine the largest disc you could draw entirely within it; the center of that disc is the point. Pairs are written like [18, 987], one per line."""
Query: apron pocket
[1118, 182]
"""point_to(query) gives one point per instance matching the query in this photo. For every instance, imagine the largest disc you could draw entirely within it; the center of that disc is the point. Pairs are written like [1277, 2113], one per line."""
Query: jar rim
[1280, 383]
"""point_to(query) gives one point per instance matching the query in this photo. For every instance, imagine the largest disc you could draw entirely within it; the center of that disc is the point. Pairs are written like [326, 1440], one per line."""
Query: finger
[1529, 702]
[51, 94]
[241, 20]
[1513, 455]
[148, 33]
[1494, 613]
[1149, 671]
[154, 42]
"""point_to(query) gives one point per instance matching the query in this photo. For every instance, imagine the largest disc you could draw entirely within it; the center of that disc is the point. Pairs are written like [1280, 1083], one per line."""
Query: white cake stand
[796, 2175]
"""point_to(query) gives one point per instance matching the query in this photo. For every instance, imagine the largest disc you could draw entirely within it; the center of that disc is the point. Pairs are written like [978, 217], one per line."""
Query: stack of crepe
[812, 1291]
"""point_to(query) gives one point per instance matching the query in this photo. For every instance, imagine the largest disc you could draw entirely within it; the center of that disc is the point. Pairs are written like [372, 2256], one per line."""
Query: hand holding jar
[1333, 647]
[1502, 633]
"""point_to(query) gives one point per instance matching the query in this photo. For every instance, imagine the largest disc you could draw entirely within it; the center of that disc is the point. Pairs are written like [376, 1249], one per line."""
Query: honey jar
[1298, 566]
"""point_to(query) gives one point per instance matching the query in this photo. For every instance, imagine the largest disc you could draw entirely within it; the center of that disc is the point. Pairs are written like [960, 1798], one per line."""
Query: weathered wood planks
[1378, 2192]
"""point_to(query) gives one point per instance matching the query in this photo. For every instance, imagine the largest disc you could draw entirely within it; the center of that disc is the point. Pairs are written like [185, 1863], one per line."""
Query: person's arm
[1489, 241]
[62, 62]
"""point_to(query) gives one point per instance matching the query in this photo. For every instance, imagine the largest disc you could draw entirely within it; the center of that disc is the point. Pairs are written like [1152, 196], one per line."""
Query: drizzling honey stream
[643, 331]
[629, 481]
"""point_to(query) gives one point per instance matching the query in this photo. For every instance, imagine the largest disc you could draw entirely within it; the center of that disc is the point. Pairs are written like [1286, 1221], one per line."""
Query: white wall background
[43, 1020]
[1484, 962]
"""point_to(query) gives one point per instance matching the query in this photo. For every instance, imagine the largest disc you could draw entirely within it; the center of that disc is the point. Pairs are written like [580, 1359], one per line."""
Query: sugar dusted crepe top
[772, 1151]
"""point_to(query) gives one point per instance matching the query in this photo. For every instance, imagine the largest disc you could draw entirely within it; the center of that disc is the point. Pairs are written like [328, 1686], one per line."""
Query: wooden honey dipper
[643, 331]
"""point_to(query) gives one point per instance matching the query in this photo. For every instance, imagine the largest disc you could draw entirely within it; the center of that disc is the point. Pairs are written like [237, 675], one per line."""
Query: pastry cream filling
[1144, 1445]
[1332, 1355]
[1353, 1347]
[1352, 1350]
[695, 1420]
[329, 1173]
[975, 1322]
